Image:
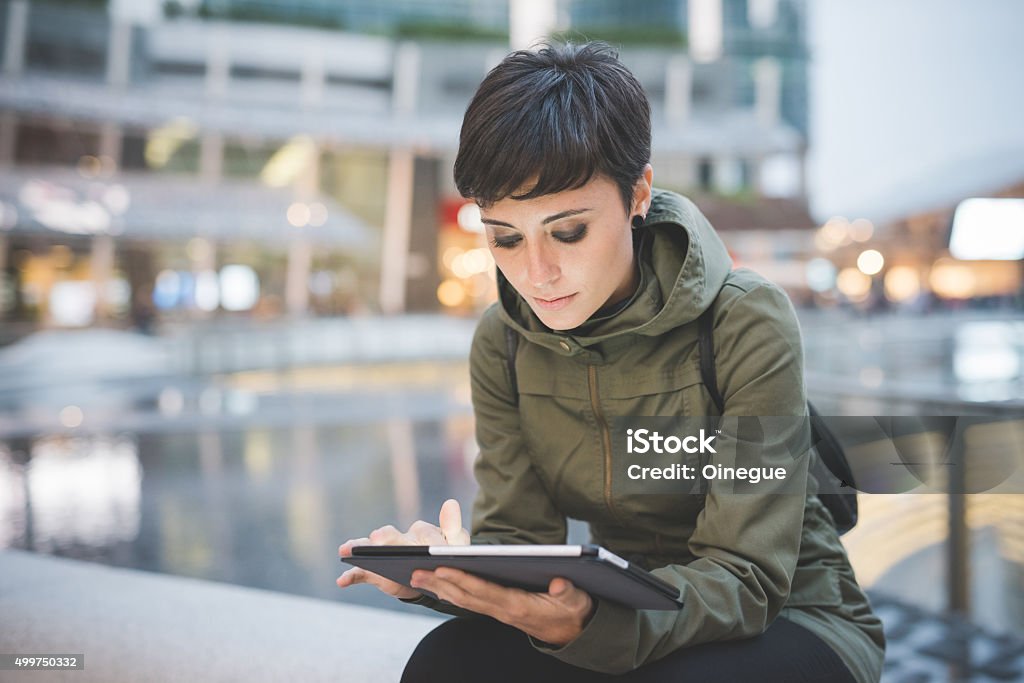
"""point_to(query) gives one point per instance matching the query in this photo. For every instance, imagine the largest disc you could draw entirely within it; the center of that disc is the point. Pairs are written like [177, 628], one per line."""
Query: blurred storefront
[909, 263]
[90, 247]
[466, 266]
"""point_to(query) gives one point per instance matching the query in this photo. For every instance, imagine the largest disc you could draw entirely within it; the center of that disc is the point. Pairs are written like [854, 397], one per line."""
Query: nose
[541, 267]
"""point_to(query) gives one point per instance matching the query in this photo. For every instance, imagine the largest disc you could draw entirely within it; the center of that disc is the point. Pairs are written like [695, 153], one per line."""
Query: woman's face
[569, 253]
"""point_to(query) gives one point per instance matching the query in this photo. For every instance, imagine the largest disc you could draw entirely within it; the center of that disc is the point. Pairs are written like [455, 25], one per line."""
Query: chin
[560, 321]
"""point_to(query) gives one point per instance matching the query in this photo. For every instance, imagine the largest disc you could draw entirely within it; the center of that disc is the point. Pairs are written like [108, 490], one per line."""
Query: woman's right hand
[450, 532]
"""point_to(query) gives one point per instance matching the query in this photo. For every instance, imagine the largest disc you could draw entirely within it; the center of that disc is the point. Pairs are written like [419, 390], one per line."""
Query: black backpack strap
[708, 374]
[842, 504]
[511, 345]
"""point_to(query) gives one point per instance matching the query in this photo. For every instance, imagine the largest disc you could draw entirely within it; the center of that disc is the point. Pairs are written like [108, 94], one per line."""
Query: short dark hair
[563, 114]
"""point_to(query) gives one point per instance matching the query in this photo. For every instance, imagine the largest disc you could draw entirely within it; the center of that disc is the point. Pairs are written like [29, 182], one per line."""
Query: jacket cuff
[439, 606]
[420, 599]
[602, 634]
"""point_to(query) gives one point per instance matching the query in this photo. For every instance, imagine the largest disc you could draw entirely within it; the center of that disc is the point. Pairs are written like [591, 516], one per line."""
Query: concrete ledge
[137, 626]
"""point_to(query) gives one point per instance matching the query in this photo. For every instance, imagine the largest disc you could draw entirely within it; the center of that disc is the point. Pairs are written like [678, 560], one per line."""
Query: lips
[554, 304]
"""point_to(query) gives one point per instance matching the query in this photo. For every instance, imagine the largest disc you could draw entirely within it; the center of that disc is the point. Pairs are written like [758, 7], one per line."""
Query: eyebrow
[549, 219]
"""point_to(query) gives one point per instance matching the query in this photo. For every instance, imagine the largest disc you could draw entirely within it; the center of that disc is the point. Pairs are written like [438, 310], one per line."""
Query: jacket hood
[683, 264]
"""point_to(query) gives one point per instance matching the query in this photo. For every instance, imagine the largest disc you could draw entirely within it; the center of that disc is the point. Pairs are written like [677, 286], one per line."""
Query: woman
[601, 280]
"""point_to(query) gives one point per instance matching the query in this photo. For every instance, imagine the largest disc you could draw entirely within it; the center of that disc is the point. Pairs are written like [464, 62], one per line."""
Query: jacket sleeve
[512, 504]
[746, 545]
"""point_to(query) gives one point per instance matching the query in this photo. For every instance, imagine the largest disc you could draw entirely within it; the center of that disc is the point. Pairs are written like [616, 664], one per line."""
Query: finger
[426, 533]
[566, 594]
[345, 549]
[387, 535]
[351, 577]
[451, 523]
[448, 588]
[479, 595]
[564, 590]
[358, 575]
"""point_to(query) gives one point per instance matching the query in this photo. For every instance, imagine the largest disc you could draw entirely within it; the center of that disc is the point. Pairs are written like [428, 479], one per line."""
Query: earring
[638, 221]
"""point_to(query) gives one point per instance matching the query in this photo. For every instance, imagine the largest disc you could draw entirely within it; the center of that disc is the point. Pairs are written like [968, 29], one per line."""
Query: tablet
[531, 567]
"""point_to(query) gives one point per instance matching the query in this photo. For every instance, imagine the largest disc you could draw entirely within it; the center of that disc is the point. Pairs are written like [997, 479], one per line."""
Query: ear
[642, 192]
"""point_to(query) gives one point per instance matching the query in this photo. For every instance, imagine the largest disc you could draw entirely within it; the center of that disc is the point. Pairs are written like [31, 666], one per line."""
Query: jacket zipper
[606, 441]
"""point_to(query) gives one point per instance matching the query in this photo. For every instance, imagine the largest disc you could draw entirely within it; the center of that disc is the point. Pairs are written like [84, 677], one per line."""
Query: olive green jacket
[739, 561]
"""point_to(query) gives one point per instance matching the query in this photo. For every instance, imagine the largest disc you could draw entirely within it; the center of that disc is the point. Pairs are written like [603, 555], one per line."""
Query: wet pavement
[260, 505]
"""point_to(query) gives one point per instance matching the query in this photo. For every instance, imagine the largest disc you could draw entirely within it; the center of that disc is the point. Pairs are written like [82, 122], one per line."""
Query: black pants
[483, 649]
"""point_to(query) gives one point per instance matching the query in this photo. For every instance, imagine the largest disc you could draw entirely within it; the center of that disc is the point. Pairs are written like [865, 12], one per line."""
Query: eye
[574, 236]
[505, 242]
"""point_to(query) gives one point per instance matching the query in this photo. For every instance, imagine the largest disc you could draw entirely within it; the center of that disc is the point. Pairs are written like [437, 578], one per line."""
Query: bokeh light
[951, 280]
[820, 274]
[853, 284]
[299, 214]
[902, 283]
[870, 262]
[469, 218]
[71, 417]
[451, 293]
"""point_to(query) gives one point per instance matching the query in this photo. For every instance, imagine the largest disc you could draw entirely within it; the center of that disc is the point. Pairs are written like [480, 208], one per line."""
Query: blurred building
[147, 146]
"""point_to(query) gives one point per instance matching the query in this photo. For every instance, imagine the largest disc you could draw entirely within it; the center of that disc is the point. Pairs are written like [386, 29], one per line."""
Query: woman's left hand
[556, 617]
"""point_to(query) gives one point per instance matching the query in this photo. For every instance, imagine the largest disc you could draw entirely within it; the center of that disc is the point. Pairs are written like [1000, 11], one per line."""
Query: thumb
[451, 523]
[559, 587]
